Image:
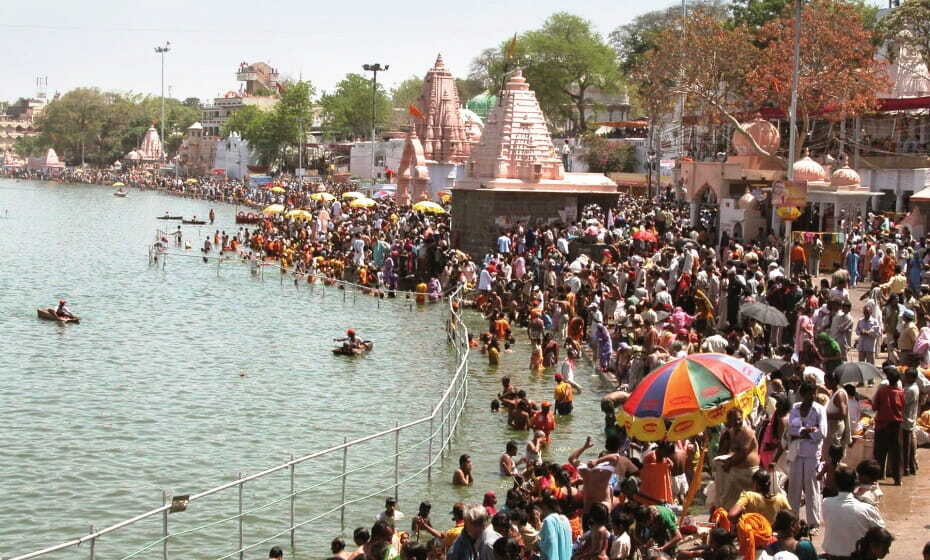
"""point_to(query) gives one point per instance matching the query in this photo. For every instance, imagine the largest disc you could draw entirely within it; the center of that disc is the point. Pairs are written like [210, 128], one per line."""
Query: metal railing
[431, 442]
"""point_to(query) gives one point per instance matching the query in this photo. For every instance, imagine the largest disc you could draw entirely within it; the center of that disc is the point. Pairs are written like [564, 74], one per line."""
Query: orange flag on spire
[511, 50]
[415, 111]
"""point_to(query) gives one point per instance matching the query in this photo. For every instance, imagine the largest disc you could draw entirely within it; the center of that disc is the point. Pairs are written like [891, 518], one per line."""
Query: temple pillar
[898, 200]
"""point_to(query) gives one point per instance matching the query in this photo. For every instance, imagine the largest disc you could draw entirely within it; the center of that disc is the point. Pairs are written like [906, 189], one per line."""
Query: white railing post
[342, 503]
[93, 544]
[396, 461]
[429, 453]
[241, 552]
[293, 500]
[164, 526]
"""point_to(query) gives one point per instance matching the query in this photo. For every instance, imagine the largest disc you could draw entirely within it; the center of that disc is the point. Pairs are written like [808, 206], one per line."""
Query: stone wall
[479, 216]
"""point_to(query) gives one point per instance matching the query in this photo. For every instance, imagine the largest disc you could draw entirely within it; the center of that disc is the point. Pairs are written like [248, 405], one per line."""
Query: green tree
[632, 40]
[26, 146]
[755, 13]
[193, 102]
[468, 88]
[272, 133]
[407, 92]
[908, 25]
[347, 111]
[73, 124]
[565, 59]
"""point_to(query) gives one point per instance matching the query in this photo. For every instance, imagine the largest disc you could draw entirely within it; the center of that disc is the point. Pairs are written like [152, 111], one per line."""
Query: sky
[111, 44]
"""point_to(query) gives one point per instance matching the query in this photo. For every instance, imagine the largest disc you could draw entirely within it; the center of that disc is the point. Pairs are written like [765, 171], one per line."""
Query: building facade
[260, 89]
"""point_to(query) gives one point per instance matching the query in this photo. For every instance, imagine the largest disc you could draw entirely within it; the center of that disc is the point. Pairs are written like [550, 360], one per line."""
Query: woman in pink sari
[803, 332]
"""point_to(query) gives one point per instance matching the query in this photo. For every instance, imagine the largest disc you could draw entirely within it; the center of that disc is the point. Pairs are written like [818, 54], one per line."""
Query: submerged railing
[407, 451]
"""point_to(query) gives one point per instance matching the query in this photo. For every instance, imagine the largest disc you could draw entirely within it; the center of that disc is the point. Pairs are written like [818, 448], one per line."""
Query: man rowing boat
[63, 312]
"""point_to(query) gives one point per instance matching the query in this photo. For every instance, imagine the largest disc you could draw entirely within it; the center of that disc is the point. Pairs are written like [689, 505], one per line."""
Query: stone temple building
[514, 175]
[435, 152]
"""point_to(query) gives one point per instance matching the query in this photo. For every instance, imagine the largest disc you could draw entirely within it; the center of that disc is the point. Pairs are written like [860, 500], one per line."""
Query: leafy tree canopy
[347, 111]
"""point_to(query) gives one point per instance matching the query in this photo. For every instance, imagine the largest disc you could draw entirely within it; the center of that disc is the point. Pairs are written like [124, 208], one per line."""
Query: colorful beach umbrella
[429, 207]
[353, 194]
[119, 184]
[362, 202]
[323, 196]
[277, 190]
[191, 181]
[683, 397]
[299, 214]
[444, 195]
[381, 194]
[273, 209]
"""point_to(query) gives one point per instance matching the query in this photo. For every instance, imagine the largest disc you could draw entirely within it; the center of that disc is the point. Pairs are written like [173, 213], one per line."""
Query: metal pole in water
[164, 526]
[396, 461]
[342, 506]
[241, 552]
[93, 544]
[293, 502]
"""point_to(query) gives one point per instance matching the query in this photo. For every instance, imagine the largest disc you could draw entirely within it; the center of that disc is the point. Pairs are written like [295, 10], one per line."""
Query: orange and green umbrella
[683, 397]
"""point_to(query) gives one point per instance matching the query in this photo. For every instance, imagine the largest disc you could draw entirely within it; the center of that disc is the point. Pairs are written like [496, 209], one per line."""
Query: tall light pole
[162, 51]
[793, 119]
[374, 69]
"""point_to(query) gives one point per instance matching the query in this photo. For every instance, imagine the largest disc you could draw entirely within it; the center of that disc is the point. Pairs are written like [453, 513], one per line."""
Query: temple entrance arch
[705, 212]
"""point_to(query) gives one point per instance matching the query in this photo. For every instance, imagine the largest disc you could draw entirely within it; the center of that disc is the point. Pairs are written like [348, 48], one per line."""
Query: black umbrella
[765, 314]
[858, 372]
[770, 365]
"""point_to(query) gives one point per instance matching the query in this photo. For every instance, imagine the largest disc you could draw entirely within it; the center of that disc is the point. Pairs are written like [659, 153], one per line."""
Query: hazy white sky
[110, 44]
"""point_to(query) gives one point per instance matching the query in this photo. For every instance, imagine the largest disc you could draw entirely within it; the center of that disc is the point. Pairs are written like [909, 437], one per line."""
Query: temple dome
[482, 104]
[806, 169]
[133, 156]
[845, 177]
[762, 131]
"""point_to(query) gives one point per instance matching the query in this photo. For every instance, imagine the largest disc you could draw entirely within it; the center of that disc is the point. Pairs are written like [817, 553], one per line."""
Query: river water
[179, 378]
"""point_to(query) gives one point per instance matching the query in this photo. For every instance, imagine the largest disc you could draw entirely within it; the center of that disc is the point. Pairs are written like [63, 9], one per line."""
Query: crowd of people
[632, 287]
[626, 289]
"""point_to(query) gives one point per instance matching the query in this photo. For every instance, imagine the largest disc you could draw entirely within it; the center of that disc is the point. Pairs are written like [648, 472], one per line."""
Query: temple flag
[415, 111]
[511, 48]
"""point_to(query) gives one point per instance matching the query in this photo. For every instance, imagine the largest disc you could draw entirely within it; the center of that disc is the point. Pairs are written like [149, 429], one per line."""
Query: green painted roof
[482, 104]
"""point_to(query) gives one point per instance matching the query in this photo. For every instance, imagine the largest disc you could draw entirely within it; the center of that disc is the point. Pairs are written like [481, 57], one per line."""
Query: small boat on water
[167, 217]
[248, 218]
[121, 193]
[367, 347]
[48, 314]
[193, 222]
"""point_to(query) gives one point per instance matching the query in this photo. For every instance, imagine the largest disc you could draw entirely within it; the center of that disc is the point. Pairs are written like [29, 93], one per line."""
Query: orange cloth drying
[721, 518]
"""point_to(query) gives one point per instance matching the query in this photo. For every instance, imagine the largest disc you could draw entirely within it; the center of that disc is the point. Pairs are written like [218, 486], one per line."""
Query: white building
[234, 156]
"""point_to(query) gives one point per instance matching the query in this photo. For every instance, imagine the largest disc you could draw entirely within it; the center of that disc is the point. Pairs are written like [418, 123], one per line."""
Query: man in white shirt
[807, 426]
[503, 244]
[484, 280]
[846, 518]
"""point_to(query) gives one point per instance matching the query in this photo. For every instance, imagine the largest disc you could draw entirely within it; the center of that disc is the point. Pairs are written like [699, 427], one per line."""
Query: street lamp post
[162, 51]
[793, 118]
[374, 69]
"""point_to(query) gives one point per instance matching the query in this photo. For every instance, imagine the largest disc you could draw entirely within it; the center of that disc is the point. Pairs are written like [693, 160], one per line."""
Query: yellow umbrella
[429, 206]
[191, 181]
[362, 202]
[322, 196]
[274, 209]
[277, 190]
[353, 194]
[299, 214]
[119, 184]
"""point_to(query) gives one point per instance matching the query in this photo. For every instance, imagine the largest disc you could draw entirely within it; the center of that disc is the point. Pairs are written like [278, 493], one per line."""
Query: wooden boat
[167, 217]
[121, 194]
[368, 346]
[193, 222]
[49, 314]
[248, 218]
